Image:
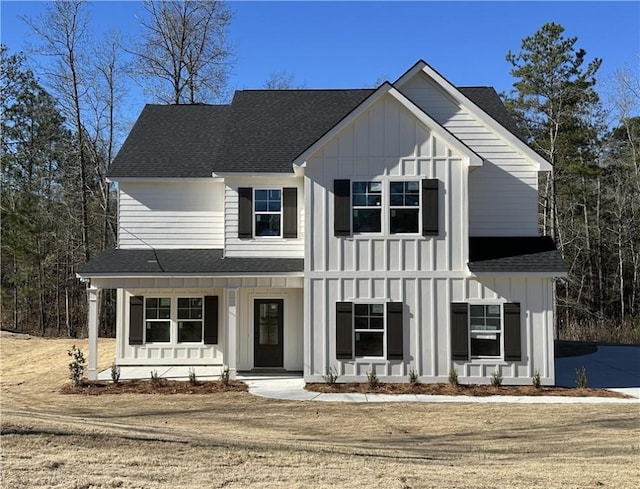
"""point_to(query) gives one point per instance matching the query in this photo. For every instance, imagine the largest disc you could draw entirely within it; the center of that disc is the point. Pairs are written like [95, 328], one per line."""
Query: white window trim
[385, 206]
[384, 329]
[362, 207]
[392, 207]
[173, 321]
[497, 302]
[254, 212]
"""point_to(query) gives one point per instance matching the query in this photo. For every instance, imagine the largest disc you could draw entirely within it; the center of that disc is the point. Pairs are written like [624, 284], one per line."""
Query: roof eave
[471, 156]
[534, 158]
[517, 273]
[89, 275]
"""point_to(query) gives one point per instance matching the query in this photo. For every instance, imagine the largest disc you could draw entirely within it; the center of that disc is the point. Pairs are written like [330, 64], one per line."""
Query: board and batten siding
[407, 151]
[503, 193]
[167, 353]
[267, 247]
[187, 214]
[427, 327]
[292, 324]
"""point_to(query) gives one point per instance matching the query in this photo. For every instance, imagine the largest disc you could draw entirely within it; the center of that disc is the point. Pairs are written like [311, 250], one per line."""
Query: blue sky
[353, 44]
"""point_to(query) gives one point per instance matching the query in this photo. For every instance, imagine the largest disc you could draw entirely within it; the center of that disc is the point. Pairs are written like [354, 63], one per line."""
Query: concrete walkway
[292, 389]
[614, 367]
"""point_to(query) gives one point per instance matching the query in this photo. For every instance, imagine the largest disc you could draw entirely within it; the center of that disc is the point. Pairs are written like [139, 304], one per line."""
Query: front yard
[234, 439]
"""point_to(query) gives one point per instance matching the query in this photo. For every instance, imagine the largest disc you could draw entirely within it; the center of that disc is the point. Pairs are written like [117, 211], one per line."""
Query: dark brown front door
[267, 333]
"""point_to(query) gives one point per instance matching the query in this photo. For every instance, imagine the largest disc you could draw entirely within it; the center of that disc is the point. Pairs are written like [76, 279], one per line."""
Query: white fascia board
[232, 174]
[158, 179]
[519, 274]
[387, 88]
[88, 277]
[443, 133]
[301, 160]
[538, 161]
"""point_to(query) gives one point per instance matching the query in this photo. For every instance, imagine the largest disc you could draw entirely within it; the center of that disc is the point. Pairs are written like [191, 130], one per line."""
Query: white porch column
[232, 332]
[92, 326]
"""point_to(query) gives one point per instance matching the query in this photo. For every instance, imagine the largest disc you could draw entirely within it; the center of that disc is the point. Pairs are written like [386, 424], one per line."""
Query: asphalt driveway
[607, 366]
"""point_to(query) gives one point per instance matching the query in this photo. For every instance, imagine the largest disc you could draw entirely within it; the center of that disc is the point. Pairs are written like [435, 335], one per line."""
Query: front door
[267, 333]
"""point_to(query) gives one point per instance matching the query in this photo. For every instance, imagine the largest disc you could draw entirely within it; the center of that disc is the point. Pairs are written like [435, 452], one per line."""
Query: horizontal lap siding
[170, 215]
[503, 192]
[261, 247]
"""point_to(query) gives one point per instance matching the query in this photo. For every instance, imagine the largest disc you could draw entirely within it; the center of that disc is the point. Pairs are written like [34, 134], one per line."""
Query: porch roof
[126, 262]
[515, 254]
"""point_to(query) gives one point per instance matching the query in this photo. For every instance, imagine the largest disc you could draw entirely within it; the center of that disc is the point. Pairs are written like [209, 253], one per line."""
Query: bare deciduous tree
[183, 55]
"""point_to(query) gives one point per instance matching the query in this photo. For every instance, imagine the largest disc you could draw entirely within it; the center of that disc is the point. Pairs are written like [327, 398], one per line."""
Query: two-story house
[389, 231]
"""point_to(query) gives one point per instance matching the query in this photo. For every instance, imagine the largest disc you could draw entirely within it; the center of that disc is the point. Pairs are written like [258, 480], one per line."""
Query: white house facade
[391, 231]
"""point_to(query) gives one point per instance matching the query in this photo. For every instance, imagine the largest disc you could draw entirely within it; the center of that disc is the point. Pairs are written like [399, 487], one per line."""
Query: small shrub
[413, 376]
[224, 375]
[77, 364]
[581, 378]
[331, 377]
[155, 379]
[496, 378]
[115, 373]
[453, 377]
[536, 380]
[193, 380]
[372, 378]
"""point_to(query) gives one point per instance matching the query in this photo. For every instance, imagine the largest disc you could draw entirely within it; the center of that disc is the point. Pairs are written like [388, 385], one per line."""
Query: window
[190, 319]
[485, 328]
[367, 207]
[267, 212]
[157, 313]
[404, 207]
[369, 330]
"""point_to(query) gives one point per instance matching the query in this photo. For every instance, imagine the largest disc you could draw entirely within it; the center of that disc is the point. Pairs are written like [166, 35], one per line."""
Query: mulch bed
[460, 390]
[162, 386]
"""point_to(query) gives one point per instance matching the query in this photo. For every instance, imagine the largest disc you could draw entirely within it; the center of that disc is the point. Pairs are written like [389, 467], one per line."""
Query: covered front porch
[182, 309]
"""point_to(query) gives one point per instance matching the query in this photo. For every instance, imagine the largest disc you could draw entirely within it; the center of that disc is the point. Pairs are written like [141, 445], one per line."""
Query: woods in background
[61, 129]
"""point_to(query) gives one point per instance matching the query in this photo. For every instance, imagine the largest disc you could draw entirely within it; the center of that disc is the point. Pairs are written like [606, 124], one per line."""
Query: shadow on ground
[612, 366]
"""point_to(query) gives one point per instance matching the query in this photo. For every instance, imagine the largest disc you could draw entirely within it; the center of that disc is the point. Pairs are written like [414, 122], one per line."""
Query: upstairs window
[267, 212]
[404, 207]
[367, 207]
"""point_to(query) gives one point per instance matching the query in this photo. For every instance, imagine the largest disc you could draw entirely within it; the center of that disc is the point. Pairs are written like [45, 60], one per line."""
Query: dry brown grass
[236, 440]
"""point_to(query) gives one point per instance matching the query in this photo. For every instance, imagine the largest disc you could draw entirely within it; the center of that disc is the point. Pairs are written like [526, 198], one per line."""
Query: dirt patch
[459, 390]
[162, 386]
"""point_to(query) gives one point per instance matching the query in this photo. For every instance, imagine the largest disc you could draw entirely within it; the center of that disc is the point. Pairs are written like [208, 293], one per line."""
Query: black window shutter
[512, 332]
[342, 208]
[430, 207]
[245, 212]
[136, 319]
[459, 331]
[344, 330]
[290, 212]
[394, 331]
[211, 320]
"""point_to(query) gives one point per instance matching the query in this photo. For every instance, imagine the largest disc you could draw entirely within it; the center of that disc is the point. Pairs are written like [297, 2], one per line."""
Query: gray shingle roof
[172, 141]
[515, 254]
[260, 131]
[268, 129]
[187, 261]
